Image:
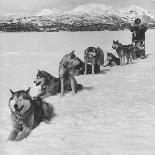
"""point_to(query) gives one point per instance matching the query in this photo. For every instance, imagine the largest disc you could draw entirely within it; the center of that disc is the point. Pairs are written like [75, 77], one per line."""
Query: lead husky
[27, 113]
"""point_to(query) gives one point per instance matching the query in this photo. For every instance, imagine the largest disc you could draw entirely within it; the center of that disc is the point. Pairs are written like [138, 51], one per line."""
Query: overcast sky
[28, 7]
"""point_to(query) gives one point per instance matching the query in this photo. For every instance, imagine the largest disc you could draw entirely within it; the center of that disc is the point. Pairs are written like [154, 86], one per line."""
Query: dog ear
[73, 51]
[12, 92]
[38, 70]
[28, 90]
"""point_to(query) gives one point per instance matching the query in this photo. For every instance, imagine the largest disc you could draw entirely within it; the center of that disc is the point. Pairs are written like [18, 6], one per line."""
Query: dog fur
[140, 49]
[79, 70]
[50, 85]
[112, 60]
[94, 56]
[26, 114]
[124, 51]
[67, 69]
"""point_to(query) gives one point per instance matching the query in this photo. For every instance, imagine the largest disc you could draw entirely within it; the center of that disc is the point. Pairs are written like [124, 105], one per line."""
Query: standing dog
[94, 56]
[66, 71]
[27, 113]
[50, 85]
[123, 51]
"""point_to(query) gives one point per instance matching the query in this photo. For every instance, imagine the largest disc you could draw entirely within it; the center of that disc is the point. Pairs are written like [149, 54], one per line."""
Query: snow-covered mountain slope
[88, 15]
[132, 12]
[48, 12]
[91, 13]
[92, 10]
[97, 13]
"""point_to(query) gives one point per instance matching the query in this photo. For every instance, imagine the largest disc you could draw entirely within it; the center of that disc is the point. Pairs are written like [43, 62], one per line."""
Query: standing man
[138, 30]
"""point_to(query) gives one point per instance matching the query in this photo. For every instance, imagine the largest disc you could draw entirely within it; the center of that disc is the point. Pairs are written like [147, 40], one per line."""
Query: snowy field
[113, 115]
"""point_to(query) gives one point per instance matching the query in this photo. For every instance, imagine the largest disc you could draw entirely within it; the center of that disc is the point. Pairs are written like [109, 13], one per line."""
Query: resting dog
[124, 51]
[112, 60]
[140, 49]
[79, 69]
[94, 56]
[67, 70]
[27, 113]
[50, 85]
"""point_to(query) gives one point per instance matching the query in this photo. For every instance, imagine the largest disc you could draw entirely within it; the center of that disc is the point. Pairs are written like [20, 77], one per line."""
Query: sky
[29, 7]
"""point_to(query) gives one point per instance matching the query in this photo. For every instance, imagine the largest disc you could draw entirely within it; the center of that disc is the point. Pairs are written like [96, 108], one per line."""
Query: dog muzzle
[26, 106]
[20, 107]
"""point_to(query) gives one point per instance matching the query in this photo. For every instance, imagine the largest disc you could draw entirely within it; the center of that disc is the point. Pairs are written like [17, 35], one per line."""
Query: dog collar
[20, 118]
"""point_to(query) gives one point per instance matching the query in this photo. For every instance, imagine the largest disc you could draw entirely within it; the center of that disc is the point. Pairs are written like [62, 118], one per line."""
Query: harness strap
[20, 119]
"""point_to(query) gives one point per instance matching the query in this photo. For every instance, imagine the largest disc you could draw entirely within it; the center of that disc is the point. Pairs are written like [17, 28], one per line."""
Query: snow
[92, 10]
[48, 12]
[113, 115]
[92, 13]
[133, 12]
[97, 13]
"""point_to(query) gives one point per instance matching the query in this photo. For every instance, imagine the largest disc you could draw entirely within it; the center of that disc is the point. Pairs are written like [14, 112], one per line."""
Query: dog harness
[21, 118]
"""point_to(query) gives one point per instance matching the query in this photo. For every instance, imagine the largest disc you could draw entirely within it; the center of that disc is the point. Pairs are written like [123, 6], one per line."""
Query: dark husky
[26, 114]
[112, 60]
[94, 56]
[50, 85]
[79, 70]
[124, 51]
[67, 69]
[140, 49]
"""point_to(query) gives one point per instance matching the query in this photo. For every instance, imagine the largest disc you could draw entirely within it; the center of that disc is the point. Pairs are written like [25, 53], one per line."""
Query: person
[138, 30]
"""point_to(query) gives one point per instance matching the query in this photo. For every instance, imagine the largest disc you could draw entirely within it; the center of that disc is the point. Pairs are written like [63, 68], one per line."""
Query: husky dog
[124, 51]
[112, 60]
[67, 69]
[79, 70]
[50, 85]
[26, 114]
[140, 49]
[94, 56]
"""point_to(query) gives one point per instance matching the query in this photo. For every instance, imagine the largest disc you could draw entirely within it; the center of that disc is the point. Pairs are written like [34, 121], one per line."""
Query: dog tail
[79, 86]
[48, 110]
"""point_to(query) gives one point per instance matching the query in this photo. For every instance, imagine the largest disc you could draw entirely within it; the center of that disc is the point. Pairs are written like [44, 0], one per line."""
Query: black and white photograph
[77, 77]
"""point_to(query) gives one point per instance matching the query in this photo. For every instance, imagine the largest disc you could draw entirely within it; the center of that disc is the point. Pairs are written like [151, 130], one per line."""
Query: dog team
[27, 111]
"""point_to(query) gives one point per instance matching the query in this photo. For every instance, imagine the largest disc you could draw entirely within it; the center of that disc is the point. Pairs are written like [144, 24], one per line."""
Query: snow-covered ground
[113, 115]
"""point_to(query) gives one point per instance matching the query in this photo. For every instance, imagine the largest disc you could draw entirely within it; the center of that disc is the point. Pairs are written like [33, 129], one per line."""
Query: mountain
[97, 13]
[88, 17]
[92, 10]
[48, 12]
[132, 12]
[90, 13]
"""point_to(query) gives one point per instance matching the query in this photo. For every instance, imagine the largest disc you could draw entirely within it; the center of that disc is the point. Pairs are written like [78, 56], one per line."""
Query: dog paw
[61, 95]
[73, 93]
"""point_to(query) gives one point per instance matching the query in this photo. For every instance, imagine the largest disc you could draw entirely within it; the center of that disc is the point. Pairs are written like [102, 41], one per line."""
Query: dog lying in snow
[112, 60]
[80, 69]
[27, 113]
